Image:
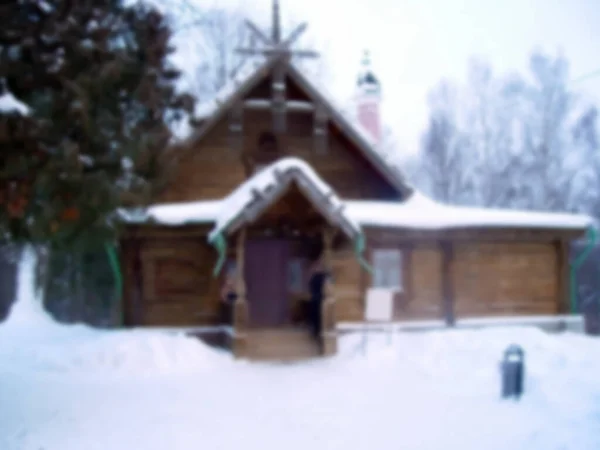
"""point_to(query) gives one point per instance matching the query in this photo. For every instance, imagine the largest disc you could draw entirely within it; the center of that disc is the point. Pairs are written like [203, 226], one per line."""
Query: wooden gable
[240, 136]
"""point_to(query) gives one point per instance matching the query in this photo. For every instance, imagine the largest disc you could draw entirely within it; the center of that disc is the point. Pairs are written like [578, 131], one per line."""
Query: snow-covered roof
[418, 212]
[261, 190]
[174, 214]
[10, 104]
[247, 70]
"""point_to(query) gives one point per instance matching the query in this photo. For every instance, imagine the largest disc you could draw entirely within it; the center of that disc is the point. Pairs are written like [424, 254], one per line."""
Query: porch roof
[246, 203]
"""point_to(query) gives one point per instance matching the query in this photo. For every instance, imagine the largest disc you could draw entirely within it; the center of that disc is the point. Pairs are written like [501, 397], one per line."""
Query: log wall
[506, 278]
[212, 169]
[474, 279]
[172, 283]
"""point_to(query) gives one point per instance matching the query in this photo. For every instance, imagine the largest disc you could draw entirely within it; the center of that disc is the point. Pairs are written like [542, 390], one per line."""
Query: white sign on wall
[379, 308]
[379, 305]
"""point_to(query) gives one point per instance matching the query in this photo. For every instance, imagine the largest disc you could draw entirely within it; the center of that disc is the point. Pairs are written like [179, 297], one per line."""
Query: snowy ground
[72, 388]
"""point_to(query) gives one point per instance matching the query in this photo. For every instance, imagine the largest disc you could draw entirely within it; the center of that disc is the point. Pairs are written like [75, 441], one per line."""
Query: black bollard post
[513, 372]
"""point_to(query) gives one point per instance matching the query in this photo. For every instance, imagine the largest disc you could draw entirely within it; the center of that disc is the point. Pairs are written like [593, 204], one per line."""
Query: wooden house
[276, 174]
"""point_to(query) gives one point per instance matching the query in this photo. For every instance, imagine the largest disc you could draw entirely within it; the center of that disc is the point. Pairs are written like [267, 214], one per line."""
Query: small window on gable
[267, 151]
[387, 268]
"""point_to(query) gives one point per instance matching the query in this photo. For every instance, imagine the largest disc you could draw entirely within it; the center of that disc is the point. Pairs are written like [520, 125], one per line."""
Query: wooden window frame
[401, 297]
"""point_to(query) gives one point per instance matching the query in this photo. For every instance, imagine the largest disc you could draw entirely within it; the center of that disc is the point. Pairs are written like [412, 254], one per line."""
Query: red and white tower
[368, 99]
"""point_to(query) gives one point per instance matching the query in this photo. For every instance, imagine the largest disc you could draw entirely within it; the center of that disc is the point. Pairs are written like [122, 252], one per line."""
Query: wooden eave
[465, 234]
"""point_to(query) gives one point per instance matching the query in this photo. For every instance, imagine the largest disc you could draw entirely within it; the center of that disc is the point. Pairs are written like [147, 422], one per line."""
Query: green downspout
[221, 246]
[116, 270]
[591, 237]
[359, 249]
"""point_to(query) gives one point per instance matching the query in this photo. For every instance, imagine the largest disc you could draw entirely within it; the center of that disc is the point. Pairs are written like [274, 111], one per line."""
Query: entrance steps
[280, 344]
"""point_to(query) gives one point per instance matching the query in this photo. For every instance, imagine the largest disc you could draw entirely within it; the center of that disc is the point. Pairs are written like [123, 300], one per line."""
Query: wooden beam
[277, 51]
[236, 128]
[256, 32]
[563, 293]
[390, 235]
[448, 283]
[278, 97]
[328, 316]
[295, 34]
[240, 307]
[320, 129]
[261, 104]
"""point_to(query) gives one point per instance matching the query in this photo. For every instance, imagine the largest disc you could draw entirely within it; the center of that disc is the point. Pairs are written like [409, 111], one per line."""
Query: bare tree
[443, 167]
[505, 141]
[550, 110]
[207, 41]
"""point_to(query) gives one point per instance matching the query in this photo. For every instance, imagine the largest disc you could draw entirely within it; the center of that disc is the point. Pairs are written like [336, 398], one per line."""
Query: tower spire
[276, 23]
[368, 98]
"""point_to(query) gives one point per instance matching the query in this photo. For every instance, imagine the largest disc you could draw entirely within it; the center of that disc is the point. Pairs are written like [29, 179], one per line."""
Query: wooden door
[266, 268]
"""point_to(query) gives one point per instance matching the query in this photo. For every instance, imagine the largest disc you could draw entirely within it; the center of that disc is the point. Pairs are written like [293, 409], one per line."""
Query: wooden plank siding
[455, 280]
[493, 279]
[177, 287]
[441, 278]
[213, 169]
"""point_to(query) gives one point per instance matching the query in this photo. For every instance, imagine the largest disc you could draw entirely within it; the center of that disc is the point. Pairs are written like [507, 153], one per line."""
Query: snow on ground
[76, 388]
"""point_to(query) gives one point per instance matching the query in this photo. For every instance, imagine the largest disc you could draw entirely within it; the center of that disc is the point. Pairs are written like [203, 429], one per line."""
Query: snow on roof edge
[419, 212]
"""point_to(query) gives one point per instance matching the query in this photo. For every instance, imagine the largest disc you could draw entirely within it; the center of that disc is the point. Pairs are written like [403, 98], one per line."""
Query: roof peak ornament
[275, 46]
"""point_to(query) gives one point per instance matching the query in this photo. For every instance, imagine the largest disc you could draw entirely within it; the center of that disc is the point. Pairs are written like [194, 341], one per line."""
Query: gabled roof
[252, 72]
[247, 202]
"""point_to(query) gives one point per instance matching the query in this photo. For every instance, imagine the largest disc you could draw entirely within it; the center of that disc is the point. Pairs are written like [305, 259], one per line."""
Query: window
[296, 275]
[387, 268]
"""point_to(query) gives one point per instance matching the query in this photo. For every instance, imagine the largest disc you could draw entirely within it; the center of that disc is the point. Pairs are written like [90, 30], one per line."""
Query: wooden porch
[290, 338]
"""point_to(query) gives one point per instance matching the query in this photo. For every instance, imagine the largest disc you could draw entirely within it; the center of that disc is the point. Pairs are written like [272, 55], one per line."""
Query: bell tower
[368, 99]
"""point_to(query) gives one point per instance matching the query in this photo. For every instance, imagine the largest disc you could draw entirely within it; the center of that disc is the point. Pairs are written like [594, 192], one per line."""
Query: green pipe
[116, 270]
[359, 249]
[221, 246]
[591, 238]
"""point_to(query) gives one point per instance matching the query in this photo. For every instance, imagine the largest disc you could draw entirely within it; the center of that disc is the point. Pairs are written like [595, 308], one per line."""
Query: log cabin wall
[169, 280]
[424, 264]
[213, 169]
[349, 280]
[496, 279]
[471, 278]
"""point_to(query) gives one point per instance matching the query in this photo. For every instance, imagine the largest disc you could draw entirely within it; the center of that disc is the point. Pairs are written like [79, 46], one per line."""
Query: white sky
[415, 43]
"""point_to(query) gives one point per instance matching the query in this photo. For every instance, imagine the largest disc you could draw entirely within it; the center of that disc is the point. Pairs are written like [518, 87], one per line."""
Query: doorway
[266, 273]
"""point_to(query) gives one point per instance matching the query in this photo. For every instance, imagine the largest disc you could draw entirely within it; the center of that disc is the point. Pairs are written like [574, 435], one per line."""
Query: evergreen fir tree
[102, 97]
